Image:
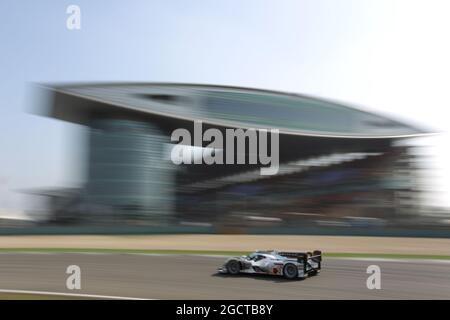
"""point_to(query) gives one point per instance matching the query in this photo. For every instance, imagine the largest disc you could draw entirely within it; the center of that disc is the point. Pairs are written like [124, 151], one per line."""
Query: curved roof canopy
[232, 106]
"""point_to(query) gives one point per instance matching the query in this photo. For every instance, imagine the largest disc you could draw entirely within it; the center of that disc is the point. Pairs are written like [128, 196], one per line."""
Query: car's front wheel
[233, 267]
[290, 271]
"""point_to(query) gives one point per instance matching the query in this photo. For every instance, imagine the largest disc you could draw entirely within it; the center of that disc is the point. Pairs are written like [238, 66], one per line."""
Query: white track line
[64, 294]
[404, 260]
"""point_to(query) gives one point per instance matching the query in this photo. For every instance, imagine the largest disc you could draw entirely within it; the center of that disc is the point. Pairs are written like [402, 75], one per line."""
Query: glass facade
[127, 175]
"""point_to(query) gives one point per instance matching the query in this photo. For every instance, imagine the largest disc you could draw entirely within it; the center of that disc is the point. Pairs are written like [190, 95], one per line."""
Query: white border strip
[404, 260]
[64, 294]
[375, 258]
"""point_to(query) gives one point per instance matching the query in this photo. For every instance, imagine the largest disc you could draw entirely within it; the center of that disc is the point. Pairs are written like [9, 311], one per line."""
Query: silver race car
[290, 265]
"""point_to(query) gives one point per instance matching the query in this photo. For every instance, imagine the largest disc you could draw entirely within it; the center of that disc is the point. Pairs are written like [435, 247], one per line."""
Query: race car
[291, 265]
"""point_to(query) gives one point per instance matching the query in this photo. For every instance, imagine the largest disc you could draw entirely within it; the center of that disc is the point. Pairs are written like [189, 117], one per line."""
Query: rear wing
[305, 258]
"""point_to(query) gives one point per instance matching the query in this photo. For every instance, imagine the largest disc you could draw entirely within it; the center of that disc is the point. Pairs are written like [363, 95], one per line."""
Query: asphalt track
[194, 277]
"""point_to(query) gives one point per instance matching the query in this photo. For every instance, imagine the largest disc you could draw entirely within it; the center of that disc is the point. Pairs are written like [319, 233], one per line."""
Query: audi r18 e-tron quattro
[290, 265]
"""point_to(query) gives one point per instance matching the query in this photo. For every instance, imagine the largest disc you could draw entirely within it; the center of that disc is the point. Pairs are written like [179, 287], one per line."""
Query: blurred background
[94, 157]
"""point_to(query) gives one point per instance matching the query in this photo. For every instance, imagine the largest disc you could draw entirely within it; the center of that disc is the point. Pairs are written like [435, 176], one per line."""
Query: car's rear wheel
[233, 267]
[290, 271]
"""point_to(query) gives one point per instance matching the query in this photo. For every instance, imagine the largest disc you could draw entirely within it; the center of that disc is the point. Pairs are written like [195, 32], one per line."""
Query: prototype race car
[290, 265]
